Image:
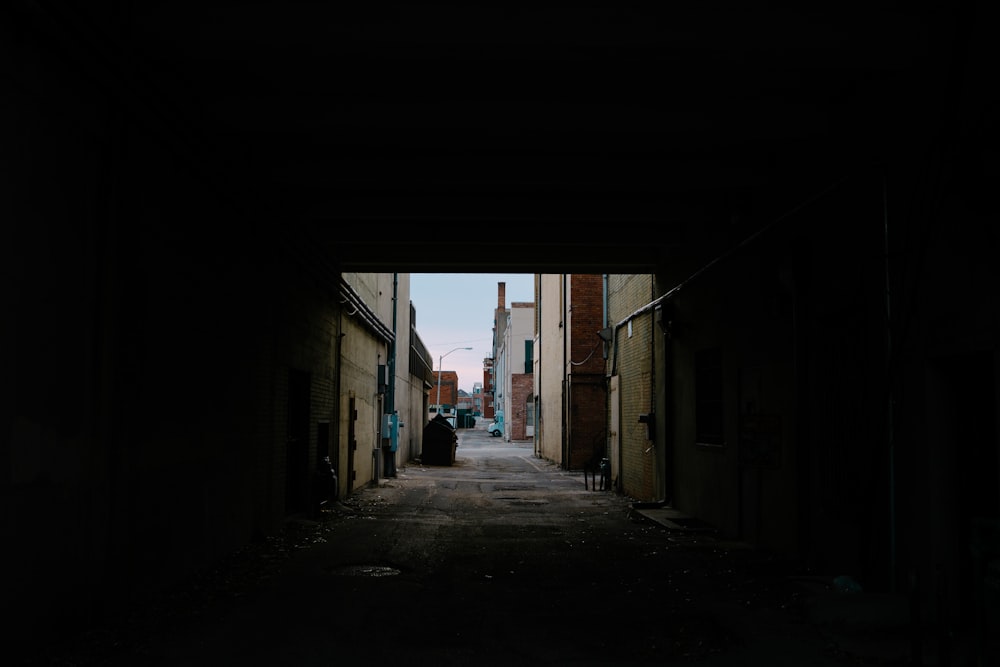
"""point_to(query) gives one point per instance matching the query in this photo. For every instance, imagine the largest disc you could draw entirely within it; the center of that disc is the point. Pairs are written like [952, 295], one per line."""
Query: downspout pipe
[668, 394]
[389, 452]
[607, 389]
[339, 383]
[565, 377]
[390, 390]
[539, 425]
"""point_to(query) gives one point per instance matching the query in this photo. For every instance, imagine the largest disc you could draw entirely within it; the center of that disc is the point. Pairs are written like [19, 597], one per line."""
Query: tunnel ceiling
[569, 137]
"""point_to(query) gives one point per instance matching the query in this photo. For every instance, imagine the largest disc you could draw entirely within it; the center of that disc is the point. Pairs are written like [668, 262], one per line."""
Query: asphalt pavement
[500, 559]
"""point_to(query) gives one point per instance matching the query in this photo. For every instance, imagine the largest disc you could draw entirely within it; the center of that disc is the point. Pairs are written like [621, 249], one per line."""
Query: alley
[504, 558]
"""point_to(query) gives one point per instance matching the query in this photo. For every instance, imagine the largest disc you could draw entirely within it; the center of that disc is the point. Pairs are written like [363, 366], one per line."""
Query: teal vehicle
[496, 427]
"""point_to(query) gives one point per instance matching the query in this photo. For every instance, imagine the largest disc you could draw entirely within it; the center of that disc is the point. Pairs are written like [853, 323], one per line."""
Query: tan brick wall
[633, 357]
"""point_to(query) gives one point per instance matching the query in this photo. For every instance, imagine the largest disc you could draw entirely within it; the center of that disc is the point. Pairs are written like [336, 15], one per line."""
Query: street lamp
[440, 359]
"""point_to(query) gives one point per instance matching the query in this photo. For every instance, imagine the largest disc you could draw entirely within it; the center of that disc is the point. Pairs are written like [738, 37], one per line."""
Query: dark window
[529, 361]
[708, 397]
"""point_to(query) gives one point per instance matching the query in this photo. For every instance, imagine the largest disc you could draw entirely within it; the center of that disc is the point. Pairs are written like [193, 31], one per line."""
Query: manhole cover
[365, 571]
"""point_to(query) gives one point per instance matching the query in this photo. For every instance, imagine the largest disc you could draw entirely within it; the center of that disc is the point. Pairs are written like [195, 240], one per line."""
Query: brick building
[570, 391]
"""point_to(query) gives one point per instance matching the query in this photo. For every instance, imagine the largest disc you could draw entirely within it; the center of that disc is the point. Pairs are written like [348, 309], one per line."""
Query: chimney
[501, 296]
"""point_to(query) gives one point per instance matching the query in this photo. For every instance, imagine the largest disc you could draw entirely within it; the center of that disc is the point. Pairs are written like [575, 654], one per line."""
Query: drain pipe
[389, 450]
[564, 408]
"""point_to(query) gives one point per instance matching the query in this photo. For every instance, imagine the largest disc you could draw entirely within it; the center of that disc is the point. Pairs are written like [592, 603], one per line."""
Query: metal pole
[440, 359]
[438, 401]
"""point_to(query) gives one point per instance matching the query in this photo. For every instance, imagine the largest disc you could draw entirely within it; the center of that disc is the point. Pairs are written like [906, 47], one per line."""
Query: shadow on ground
[499, 559]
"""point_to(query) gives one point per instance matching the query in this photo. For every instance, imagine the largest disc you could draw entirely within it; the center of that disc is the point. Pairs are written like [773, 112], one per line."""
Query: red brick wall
[587, 430]
[587, 304]
[449, 388]
[522, 386]
[488, 411]
[587, 392]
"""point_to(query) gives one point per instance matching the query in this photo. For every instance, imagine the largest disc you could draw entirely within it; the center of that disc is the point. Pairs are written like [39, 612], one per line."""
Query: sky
[455, 310]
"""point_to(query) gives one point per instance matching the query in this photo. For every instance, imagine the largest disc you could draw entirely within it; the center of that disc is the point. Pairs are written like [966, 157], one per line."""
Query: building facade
[569, 384]
[513, 367]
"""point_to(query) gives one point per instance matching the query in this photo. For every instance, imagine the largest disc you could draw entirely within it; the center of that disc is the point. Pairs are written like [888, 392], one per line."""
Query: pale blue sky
[456, 310]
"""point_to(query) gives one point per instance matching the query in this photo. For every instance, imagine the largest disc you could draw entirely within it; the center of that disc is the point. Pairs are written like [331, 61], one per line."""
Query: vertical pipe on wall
[390, 390]
[604, 307]
[653, 377]
[566, 463]
[668, 416]
[537, 379]
[605, 320]
[338, 441]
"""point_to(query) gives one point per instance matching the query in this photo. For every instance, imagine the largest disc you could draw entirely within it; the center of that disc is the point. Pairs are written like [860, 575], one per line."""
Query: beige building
[383, 403]
[514, 370]
[569, 384]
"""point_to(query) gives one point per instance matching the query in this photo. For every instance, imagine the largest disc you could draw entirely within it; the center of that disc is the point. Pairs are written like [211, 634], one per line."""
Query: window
[529, 361]
[708, 397]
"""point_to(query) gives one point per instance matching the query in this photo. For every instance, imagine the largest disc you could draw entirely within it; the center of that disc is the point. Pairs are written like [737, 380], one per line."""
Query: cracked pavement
[499, 559]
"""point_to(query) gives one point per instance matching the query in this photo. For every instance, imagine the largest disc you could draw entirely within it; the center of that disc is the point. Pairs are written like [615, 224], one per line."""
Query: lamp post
[440, 359]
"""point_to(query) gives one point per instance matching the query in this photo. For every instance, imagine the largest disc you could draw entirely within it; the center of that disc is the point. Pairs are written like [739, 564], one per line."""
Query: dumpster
[440, 442]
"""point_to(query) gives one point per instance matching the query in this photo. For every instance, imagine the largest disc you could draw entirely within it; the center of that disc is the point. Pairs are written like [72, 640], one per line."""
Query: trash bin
[440, 442]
